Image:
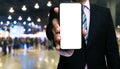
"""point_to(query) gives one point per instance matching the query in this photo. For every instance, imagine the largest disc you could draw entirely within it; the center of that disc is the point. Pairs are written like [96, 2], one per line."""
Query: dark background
[42, 12]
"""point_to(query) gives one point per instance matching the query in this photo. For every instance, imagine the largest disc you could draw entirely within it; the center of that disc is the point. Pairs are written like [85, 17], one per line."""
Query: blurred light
[49, 4]
[52, 61]
[36, 6]
[29, 29]
[48, 14]
[38, 20]
[1, 22]
[20, 18]
[28, 19]
[24, 30]
[46, 60]
[15, 22]
[29, 24]
[1, 64]
[24, 23]
[118, 26]
[45, 26]
[11, 10]
[36, 26]
[9, 17]
[8, 22]
[32, 23]
[24, 8]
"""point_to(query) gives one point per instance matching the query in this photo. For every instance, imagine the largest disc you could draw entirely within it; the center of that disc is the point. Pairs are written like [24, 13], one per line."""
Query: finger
[57, 47]
[56, 26]
[56, 9]
[57, 37]
[84, 32]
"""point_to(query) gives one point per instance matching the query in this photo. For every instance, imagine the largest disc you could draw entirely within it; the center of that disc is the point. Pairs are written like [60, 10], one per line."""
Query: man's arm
[112, 52]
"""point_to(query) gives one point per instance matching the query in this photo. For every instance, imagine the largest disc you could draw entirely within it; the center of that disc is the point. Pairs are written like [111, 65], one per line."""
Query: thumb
[56, 9]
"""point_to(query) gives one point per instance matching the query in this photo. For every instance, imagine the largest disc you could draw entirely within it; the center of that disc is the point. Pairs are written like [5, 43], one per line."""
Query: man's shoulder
[99, 7]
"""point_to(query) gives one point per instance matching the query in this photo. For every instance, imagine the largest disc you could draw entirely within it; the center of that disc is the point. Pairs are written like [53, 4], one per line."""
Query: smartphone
[70, 25]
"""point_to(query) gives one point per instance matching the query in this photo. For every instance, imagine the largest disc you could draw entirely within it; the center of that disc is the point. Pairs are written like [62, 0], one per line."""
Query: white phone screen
[70, 25]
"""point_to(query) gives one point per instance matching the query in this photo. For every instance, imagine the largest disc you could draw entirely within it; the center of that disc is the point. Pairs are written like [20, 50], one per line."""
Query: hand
[56, 30]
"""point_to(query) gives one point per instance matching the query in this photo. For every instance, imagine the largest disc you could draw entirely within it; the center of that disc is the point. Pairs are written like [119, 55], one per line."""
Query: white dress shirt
[69, 53]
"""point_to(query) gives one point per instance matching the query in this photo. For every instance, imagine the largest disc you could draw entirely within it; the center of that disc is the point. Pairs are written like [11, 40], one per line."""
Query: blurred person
[43, 42]
[22, 43]
[36, 42]
[28, 42]
[101, 49]
[2, 43]
[31, 42]
[4, 46]
[9, 44]
[16, 45]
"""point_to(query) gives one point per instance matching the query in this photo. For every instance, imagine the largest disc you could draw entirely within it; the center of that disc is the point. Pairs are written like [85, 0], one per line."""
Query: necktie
[84, 23]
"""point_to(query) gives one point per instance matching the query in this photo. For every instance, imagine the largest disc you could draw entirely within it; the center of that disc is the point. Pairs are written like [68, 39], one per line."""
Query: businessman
[101, 49]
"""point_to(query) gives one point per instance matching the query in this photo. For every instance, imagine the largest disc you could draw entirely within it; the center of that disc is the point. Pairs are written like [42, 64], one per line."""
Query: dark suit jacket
[101, 51]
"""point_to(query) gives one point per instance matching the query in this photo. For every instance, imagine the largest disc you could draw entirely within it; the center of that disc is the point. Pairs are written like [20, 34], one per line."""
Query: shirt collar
[87, 4]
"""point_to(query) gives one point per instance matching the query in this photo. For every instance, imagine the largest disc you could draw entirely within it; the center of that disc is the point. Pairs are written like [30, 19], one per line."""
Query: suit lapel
[92, 25]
